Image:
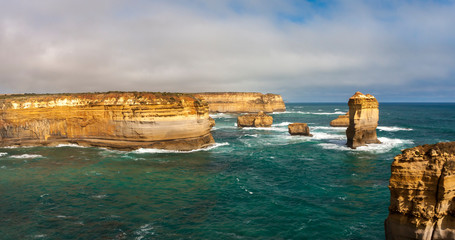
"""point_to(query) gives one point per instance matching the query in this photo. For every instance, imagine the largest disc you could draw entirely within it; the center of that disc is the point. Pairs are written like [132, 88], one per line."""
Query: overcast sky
[307, 51]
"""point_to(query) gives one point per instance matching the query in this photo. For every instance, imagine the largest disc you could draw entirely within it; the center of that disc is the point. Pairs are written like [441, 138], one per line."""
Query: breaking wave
[153, 150]
[393, 129]
[386, 145]
[27, 156]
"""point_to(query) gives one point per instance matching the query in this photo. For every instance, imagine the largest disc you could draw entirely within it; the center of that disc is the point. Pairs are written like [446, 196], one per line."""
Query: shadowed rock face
[363, 120]
[127, 120]
[422, 192]
[341, 121]
[255, 120]
[299, 129]
[242, 102]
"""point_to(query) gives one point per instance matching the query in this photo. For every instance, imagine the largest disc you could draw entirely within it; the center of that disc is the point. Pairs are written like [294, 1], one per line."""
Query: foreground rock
[299, 129]
[242, 102]
[422, 191]
[119, 120]
[363, 120]
[255, 120]
[341, 121]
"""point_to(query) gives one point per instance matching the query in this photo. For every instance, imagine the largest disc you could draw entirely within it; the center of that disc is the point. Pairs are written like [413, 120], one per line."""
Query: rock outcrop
[299, 129]
[422, 193]
[255, 120]
[363, 120]
[242, 102]
[341, 121]
[119, 120]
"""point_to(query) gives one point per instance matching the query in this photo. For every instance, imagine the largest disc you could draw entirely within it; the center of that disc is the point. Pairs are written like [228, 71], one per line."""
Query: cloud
[303, 50]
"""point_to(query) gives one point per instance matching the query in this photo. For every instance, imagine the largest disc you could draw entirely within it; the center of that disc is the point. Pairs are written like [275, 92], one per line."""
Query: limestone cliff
[363, 120]
[341, 121]
[422, 193]
[120, 120]
[242, 102]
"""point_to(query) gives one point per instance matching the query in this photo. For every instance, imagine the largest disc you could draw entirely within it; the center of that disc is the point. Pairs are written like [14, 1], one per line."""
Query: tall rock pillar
[363, 120]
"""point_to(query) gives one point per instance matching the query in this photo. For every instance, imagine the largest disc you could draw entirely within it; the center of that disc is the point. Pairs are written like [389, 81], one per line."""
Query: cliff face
[240, 102]
[114, 120]
[363, 120]
[422, 192]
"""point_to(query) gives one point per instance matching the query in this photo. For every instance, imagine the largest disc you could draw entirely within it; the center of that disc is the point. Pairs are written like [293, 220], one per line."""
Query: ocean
[255, 183]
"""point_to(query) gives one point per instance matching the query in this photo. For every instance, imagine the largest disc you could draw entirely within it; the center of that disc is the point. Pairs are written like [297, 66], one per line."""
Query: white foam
[27, 156]
[3, 154]
[323, 135]
[154, 150]
[386, 145]
[315, 113]
[266, 129]
[251, 135]
[393, 129]
[281, 124]
[328, 113]
[222, 115]
[338, 129]
[143, 231]
[70, 145]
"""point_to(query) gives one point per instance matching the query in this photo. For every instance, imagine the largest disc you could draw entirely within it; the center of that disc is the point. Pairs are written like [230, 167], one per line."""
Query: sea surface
[255, 183]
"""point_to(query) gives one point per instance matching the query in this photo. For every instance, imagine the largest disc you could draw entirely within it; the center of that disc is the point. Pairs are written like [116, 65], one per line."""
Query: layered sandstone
[119, 120]
[341, 121]
[242, 102]
[299, 129]
[363, 120]
[255, 120]
[422, 193]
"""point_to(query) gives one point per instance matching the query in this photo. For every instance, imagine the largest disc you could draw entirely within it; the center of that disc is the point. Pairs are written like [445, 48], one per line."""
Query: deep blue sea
[256, 183]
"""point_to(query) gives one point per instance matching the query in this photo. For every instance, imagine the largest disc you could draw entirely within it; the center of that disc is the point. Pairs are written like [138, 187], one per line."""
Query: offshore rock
[363, 120]
[341, 121]
[118, 120]
[299, 129]
[242, 102]
[422, 192]
[255, 120]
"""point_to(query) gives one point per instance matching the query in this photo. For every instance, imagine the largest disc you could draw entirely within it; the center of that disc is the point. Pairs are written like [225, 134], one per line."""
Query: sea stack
[255, 120]
[363, 120]
[341, 121]
[422, 191]
[242, 102]
[118, 120]
[299, 129]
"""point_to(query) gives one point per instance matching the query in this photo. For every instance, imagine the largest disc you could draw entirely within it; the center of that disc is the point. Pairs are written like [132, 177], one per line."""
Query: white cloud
[61, 46]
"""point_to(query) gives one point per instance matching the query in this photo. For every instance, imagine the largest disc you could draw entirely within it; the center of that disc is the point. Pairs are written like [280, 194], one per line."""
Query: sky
[307, 51]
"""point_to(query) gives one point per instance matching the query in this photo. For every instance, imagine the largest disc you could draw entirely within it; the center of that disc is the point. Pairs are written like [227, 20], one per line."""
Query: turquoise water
[254, 184]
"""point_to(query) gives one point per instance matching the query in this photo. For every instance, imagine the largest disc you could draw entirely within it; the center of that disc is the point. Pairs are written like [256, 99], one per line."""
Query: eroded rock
[255, 120]
[242, 102]
[341, 121]
[422, 192]
[119, 120]
[363, 120]
[299, 129]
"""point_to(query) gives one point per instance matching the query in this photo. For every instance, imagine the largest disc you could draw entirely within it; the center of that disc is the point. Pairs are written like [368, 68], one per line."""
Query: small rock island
[117, 120]
[363, 120]
[299, 129]
[255, 120]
